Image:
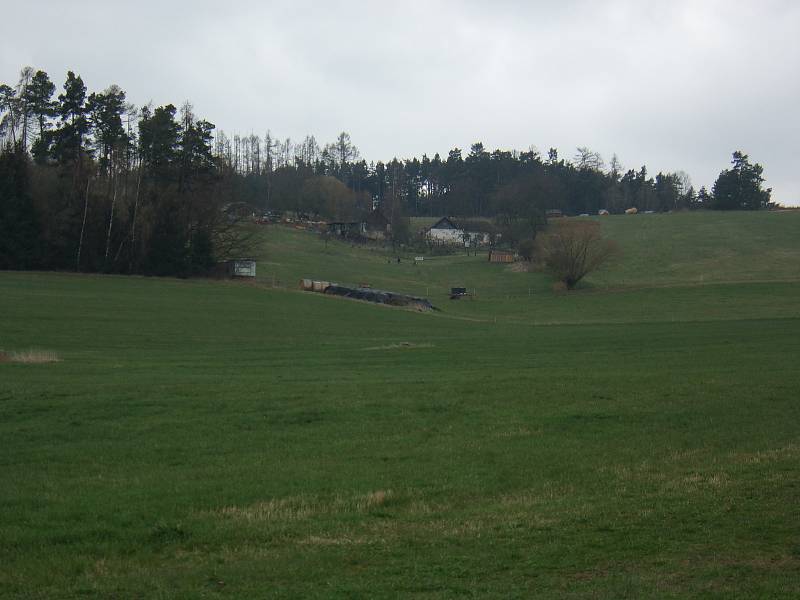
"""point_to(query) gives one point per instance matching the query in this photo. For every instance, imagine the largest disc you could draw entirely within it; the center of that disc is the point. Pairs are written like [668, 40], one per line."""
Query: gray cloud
[674, 85]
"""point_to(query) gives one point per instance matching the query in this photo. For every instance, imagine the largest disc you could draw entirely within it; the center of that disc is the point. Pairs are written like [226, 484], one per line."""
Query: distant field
[703, 247]
[656, 250]
[638, 438]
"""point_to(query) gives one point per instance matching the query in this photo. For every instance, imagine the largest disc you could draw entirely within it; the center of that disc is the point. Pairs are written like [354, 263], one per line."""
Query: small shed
[501, 256]
[241, 267]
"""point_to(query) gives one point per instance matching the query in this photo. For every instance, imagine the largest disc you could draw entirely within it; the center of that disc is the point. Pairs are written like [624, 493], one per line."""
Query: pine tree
[42, 109]
[19, 225]
[69, 138]
[740, 188]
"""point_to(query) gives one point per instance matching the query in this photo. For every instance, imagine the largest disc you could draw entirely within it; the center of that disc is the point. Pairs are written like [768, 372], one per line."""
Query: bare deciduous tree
[586, 159]
[571, 251]
[25, 78]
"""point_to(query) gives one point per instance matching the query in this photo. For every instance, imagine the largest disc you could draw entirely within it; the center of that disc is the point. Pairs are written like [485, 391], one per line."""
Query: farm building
[345, 229]
[501, 256]
[448, 232]
[376, 226]
[553, 213]
[445, 231]
[241, 267]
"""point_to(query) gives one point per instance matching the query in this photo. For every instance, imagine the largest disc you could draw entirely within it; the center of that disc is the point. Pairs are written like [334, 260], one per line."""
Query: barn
[444, 231]
[376, 226]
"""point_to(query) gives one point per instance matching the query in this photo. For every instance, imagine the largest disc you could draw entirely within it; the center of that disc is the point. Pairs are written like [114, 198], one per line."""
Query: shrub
[573, 250]
[527, 249]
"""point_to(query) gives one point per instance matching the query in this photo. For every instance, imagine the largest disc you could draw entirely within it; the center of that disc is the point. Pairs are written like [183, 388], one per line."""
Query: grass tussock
[30, 357]
[300, 508]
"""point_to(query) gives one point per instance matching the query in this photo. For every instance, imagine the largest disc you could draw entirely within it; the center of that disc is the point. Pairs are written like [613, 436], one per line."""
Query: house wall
[446, 236]
[374, 234]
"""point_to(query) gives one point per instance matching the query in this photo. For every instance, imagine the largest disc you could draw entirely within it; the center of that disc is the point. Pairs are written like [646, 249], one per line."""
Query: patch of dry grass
[520, 267]
[344, 540]
[545, 495]
[699, 482]
[520, 431]
[281, 509]
[299, 508]
[30, 357]
[372, 499]
[400, 346]
[788, 452]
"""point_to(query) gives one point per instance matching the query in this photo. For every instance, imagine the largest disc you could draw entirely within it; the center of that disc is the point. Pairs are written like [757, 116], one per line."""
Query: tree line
[90, 182]
[479, 183]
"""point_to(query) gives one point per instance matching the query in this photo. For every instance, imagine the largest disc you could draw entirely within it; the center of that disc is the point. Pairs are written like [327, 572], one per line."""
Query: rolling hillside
[660, 255]
[230, 439]
[703, 247]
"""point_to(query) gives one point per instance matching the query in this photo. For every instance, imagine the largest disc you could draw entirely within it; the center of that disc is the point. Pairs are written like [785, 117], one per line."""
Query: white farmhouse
[444, 231]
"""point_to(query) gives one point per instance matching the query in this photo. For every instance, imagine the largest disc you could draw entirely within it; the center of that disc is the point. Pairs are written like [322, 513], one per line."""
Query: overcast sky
[675, 85]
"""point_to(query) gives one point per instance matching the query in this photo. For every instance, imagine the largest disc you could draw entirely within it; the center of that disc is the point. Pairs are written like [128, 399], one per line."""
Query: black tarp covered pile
[380, 297]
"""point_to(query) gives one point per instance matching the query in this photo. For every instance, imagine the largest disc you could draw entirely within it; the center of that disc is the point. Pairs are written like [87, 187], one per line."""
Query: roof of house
[444, 223]
[376, 218]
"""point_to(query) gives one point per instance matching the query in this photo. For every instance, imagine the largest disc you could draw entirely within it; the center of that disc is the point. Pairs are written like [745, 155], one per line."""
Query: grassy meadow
[639, 437]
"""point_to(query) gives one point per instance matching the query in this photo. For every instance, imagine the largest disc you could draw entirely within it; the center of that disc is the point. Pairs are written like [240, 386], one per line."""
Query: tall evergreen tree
[105, 112]
[740, 188]
[159, 138]
[42, 109]
[19, 224]
[74, 126]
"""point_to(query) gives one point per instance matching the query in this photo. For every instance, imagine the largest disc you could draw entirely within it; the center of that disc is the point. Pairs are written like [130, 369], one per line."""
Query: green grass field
[637, 438]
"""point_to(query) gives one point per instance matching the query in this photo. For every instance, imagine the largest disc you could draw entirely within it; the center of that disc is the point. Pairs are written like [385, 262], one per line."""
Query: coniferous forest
[90, 182]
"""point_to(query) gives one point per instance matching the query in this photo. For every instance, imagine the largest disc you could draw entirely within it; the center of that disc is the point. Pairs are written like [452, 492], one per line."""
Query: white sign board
[244, 268]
